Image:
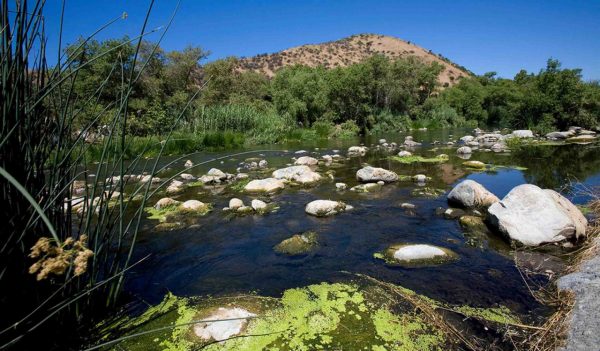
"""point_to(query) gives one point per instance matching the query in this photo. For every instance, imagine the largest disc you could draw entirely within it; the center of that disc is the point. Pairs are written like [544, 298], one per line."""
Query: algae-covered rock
[441, 158]
[298, 244]
[474, 165]
[366, 188]
[428, 192]
[473, 223]
[228, 322]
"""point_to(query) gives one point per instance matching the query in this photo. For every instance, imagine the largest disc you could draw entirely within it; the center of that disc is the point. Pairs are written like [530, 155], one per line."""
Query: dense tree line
[375, 95]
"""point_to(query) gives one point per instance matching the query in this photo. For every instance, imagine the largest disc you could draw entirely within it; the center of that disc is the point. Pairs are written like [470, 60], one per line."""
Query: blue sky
[502, 36]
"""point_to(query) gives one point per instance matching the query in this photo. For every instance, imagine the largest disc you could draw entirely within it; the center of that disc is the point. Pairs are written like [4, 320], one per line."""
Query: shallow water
[225, 255]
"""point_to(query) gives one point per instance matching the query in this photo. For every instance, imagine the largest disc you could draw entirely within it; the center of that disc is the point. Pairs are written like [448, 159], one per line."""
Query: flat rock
[234, 320]
[301, 174]
[324, 208]
[306, 161]
[373, 174]
[264, 185]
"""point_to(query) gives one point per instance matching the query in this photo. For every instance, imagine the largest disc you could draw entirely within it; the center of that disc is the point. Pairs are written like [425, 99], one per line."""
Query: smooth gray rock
[471, 194]
[306, 161]
[373, 174]
[324, 208]
[583, 324]
[301, 174]
[532, 216]
[464, 150]
[264, 185]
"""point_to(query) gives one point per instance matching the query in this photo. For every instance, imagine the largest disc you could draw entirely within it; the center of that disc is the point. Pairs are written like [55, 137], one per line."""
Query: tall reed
[78, 258]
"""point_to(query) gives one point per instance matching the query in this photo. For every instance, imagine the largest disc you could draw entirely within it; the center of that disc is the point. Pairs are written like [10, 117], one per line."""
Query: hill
[350, 50]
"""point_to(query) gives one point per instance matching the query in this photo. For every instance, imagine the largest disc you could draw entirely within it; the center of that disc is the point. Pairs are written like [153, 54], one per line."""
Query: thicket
[377, 95]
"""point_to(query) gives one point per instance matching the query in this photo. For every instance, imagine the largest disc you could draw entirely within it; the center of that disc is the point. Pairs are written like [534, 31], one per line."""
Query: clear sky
[502, 36]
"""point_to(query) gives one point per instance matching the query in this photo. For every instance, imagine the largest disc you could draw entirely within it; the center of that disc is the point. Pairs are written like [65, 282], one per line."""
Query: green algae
[240, 185]
[427, 192]
[173, 212]
[161, 214]
[321, 316]
[501, 314]
[420, 159]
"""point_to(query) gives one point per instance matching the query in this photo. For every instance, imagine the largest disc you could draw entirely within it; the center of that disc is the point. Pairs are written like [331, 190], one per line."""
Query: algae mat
[326, 316]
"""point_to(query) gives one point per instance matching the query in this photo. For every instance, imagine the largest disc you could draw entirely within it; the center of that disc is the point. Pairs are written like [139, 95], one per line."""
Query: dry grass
[553, 333]
[350, 50]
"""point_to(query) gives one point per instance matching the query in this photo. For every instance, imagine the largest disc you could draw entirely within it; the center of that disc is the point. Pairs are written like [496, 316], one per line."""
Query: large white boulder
[471, 194]
[228, 322]
[235, 203]
[324, 208]
[373, 174]
[264, 185]
[300, 174]
[532, 216]
[306, 161]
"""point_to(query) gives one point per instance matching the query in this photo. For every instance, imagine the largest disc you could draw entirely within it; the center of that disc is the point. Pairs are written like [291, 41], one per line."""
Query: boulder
[175, 187]
[372, 174]
[263, 164]
[258, 205]
[324, 208]
[327, 158]
[229, 322]
[467, 139]
[193, 205]
[532, 216]
[498, 147]
[404, 153]
[464, 150]
[264, 185]
[470, 194]
[188, 164]
[301, 174]
[420, 178]
[235, 203]
[524, 133]
[306, 161]
[165, 202]
[217, 173]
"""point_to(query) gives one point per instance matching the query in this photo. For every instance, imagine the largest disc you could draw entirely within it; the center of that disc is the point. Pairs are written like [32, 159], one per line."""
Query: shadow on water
[222, 255]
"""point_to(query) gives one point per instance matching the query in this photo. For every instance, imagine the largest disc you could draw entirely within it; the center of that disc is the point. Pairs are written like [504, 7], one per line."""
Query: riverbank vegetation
[226, 107]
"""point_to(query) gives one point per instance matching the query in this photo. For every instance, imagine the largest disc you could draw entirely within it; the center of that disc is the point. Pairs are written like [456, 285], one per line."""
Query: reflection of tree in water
[554, 166]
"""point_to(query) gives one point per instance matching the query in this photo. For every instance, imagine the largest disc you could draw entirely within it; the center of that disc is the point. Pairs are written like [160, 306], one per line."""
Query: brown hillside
[350, 50]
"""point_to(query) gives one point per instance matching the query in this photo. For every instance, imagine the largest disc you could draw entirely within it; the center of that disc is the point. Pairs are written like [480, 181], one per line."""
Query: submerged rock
[324, 208]
[372, 174]
[267, 185]
[470, 194]
[298, 244]
[532, 216]
[301, 174]
[474, 164]
[232, 322]
[366, 188]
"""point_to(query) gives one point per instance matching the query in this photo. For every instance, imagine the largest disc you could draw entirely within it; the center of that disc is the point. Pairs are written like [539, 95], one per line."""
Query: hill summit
[350, 50]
